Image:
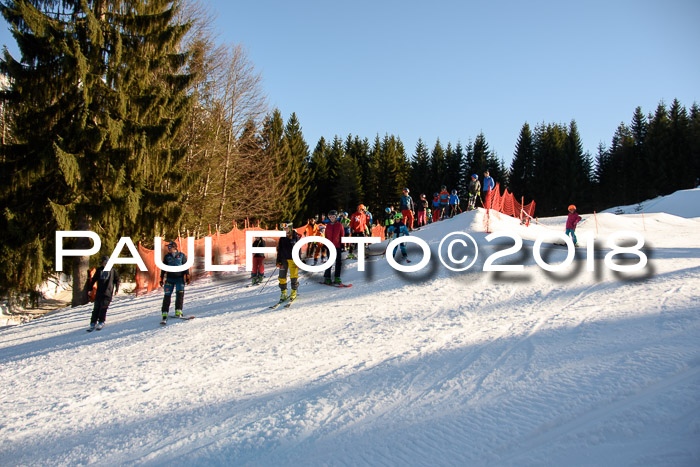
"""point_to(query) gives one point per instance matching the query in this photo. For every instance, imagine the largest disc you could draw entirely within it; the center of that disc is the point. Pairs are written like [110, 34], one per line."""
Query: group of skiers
[333, 227]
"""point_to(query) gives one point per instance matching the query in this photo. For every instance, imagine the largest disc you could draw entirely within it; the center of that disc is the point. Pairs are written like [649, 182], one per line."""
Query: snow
[683, 203]
[429, 368]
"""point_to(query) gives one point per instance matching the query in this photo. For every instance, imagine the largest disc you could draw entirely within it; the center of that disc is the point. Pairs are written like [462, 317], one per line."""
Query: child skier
[173, 280]
[444, 201]
[334, 233]
[286, 263]
[399, 230]
[421, 211]
[407, 207]
[454, 203]
[258, 272]
[436, 207]
[572, 219]
[474, 189]
[107, 282]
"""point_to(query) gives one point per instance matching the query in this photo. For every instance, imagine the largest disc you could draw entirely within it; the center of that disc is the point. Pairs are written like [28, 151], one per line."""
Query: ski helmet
[398, 216]
[361, 207]
[422, 195]
[475, 176]
[333, 213]
[572, 207]
[172, 245]
[406, 190]
[443, 187]
[436, 194]
[387, 210]
[454, 192]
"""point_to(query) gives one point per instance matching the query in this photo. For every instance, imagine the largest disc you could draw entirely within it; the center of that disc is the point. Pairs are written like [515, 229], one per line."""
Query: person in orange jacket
[358, 227]
[311, 231]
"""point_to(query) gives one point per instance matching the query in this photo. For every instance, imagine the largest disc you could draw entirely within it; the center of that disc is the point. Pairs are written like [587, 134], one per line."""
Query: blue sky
[453, 69]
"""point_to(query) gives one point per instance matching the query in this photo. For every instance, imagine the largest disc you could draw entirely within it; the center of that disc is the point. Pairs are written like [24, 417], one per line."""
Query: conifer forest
[129, 119]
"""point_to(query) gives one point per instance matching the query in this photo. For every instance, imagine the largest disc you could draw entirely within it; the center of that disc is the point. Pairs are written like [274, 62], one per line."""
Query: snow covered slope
[683, 203]
[428, 368]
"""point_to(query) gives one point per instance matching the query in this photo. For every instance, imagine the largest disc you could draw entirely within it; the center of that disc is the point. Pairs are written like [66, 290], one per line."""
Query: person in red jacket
[571, 221]
[334, 233]
[358, 227]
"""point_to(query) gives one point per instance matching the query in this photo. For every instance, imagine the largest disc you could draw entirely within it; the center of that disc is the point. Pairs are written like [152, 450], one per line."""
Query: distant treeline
[135, 122]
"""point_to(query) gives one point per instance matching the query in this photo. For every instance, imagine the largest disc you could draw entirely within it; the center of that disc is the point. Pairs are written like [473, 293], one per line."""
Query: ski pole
[268, 279]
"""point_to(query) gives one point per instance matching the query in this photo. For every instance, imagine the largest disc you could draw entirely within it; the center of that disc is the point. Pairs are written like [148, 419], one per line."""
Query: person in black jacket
[286, 263]
[107, 284]
[174, 280]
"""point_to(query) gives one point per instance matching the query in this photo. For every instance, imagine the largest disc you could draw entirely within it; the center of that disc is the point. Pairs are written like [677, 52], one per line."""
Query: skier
[176, 280]
[487, 189]
[388, 220]
[107, 282]
[399, 230]
[286, 263]
[258, 272]
[474, 189]
[334, 232]
[358, 227]
[311, 231]
[444, 201]
[572, 219]
[421, 210]
[322, 250]
[407, 207]
[454, 203]
[436, 207]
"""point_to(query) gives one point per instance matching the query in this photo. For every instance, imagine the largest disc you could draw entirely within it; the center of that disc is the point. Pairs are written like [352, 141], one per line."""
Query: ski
[185, 317]
[278, 304]
[339, 286]
[290, 301]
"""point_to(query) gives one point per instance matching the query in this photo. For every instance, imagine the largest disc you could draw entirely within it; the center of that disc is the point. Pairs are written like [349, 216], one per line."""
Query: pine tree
[641, 169]
[679, 152]
[657, 147]
[298, 172]
[438, 166]
[521, 168]
[99, 99]
[453, 166]
[420, 170]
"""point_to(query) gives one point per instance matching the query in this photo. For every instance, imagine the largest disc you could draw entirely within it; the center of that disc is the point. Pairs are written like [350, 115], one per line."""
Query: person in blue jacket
[487, 189]
[174, 280]
[454, 203]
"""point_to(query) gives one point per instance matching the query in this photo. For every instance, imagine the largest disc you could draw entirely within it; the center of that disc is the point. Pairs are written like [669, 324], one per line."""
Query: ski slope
[428, 368]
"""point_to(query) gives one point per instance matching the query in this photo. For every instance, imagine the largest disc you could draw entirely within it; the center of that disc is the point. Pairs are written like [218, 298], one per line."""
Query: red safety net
[507, 203]
[227, 249]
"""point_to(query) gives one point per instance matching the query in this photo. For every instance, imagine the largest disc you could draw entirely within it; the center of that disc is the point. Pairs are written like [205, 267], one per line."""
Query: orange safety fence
[506, 203]
[227, 249]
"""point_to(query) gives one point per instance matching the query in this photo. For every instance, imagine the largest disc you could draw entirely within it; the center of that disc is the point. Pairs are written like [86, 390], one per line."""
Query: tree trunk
[81, 264]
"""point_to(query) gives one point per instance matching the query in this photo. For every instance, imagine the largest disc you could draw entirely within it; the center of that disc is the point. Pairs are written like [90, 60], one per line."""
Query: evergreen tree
[640, 168]
[694, 146]
[453, 166]
[420, 170]
[320, 190]
[95, 126]
[348, 189]
[657, 147]
[680, 160]
[298, 172]
[438, 166]
[521, 168]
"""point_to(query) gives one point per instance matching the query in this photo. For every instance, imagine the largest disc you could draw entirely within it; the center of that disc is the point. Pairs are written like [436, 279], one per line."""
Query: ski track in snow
[469, 368]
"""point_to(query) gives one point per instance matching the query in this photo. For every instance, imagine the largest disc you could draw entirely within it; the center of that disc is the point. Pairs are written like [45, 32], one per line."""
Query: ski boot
[178, 313]
[100, 326]
[293, 296]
